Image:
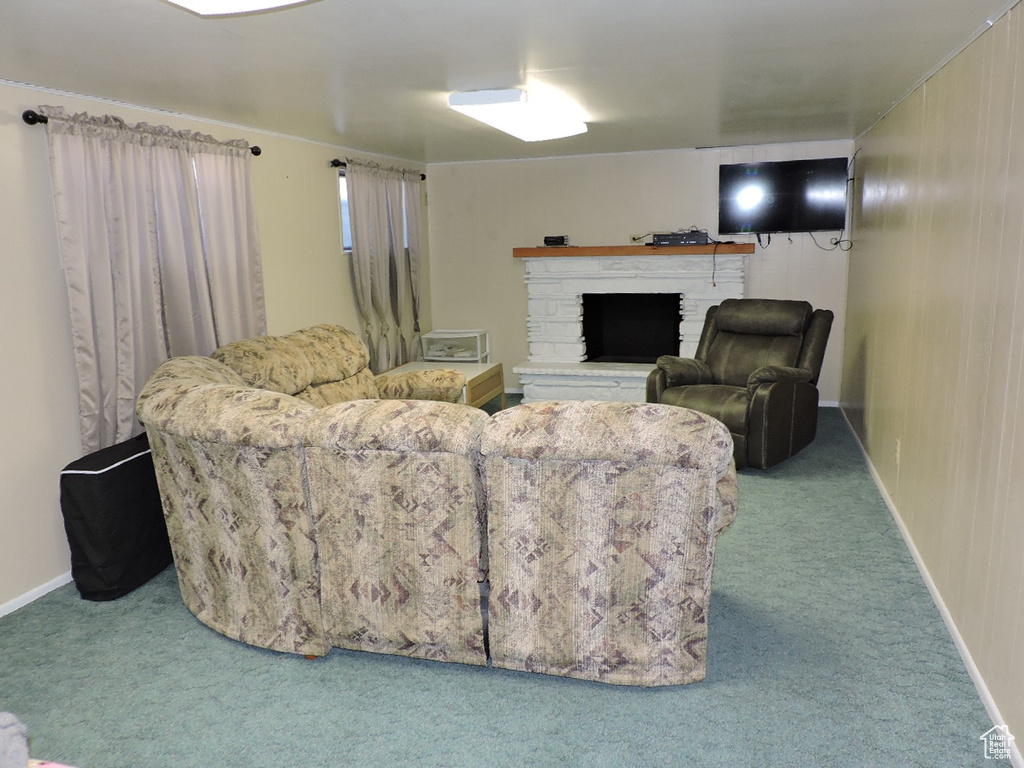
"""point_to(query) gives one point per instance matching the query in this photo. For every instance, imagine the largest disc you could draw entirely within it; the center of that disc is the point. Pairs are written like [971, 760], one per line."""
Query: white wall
[38, 396]
[480, 211]
[307, 281]
[933, 376]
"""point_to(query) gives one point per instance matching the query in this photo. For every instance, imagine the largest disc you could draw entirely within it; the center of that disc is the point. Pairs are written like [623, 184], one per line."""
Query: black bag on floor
[113, 519]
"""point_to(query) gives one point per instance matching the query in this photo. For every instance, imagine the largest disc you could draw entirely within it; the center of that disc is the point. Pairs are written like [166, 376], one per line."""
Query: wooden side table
[484, 381]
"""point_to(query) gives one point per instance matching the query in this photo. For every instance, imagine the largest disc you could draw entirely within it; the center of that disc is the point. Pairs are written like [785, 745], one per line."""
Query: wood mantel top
[555, 251]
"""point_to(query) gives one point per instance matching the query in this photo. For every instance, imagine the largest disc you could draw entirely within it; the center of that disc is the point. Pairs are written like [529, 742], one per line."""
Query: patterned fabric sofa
[328, 364]
[363, 523]
[258, 448]
[602, 524]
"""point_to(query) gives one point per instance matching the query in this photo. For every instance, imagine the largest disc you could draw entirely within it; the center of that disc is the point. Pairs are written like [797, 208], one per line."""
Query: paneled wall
[479, 212]
[933, 368]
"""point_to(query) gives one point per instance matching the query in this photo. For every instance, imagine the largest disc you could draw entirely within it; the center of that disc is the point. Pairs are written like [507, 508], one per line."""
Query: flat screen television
[784, 196]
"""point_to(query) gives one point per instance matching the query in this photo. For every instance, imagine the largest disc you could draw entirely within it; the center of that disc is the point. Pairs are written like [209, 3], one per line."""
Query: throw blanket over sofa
[367, 524]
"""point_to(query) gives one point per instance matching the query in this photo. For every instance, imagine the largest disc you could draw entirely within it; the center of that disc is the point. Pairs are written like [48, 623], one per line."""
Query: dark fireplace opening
[630, 327]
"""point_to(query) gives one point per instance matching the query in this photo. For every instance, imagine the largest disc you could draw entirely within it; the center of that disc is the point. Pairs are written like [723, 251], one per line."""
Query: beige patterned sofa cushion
[442, 384]
[268, 362]
[229, 463]
[184, 373]
[602, 523]
[398, 506]
[360, 386]
[327, 364]
[335, 353]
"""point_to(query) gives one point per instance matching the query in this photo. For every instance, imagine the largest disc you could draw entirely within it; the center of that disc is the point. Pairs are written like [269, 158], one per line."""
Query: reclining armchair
[756, 370]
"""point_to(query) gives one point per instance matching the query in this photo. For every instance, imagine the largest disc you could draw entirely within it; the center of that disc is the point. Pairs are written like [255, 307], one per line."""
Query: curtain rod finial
[256, 151]
[32, 117]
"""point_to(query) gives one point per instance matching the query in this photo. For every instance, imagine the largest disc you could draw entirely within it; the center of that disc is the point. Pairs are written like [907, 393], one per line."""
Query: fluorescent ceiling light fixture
[547, 115]
[229, 7]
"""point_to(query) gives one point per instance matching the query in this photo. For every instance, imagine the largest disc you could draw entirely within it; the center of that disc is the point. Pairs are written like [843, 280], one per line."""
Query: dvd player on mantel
[680, 238]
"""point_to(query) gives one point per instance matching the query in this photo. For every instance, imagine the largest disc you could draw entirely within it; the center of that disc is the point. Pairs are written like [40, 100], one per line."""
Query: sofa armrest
[767, 374]
[442, 384]
[229, 465]
[782, 418]
[655, 385]
[683, 371]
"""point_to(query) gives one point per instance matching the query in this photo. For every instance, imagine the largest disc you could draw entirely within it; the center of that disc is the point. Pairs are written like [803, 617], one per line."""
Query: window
[346, 222]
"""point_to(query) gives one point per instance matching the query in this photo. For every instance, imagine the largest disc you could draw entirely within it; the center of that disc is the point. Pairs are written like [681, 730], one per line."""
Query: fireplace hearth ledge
[620, 382]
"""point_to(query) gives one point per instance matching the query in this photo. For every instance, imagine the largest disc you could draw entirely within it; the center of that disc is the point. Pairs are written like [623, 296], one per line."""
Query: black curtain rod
[336, 163]
[32, 117]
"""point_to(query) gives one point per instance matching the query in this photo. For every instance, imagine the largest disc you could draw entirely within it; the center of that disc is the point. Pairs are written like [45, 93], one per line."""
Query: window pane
[346, 224]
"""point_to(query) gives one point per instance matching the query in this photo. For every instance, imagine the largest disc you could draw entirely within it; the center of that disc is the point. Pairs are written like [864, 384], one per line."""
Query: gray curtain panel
[161, 255]
[384, 209]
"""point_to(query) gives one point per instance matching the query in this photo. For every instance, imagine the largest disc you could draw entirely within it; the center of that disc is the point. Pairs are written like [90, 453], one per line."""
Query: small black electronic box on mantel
[556, 240]
[689, 237]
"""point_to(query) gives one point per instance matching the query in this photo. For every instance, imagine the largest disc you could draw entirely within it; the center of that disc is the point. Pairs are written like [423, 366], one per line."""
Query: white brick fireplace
[555, 285]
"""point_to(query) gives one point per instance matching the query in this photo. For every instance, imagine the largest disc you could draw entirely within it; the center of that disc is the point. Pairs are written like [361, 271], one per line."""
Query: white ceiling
[374, 74]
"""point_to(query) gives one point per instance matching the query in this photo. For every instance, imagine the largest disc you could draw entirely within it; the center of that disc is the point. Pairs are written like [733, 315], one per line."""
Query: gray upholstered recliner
[756, 370]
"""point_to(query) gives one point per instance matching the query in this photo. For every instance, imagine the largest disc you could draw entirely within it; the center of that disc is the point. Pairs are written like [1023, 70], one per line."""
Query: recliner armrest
[772, 373]
[683, 371]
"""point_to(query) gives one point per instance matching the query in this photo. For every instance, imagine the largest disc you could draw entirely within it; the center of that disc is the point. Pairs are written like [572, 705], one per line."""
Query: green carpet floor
[825, 650]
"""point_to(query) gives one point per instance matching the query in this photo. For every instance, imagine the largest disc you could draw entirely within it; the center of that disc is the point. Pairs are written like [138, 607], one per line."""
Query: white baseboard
[20, 602]
[1016, 759]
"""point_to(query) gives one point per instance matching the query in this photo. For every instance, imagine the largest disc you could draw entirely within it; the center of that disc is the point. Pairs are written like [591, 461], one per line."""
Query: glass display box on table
[468, 346]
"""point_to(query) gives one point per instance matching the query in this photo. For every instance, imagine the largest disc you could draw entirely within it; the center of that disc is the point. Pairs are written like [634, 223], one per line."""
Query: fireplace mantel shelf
[556, 251]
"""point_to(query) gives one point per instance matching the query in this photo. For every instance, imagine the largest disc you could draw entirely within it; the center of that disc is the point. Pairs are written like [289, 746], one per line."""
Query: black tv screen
[785, 196]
